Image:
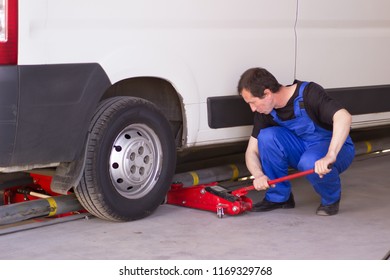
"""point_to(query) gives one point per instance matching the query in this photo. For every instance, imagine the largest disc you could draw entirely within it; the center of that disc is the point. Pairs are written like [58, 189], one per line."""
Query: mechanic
[298, 126]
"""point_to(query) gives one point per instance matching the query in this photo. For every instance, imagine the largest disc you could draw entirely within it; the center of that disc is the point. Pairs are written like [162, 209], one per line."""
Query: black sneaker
[328, 210]
[266, 205]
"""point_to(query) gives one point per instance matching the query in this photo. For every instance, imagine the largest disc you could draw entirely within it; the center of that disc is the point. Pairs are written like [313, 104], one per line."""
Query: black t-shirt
[318, 104]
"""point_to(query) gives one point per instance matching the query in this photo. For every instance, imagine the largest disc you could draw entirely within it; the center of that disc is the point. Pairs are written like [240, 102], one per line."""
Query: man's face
[262, 105]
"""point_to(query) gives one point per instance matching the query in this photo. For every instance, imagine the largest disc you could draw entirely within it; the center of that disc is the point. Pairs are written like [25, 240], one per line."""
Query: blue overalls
[299, 143]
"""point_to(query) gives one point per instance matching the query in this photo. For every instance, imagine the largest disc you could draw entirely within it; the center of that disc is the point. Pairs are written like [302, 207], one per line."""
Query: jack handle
[243, 191]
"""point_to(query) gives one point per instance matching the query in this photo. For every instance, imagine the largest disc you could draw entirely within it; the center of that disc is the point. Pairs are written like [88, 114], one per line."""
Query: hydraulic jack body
[213, 197]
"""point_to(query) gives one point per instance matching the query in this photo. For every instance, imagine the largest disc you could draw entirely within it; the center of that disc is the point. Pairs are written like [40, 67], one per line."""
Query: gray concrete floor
[361, 230]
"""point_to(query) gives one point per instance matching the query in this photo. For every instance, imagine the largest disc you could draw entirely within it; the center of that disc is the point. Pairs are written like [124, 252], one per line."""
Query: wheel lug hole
[115, 165]
[132, 156]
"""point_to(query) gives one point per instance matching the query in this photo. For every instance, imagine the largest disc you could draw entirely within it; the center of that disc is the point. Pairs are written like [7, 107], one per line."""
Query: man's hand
[261, 183]
[323, 166]
[342, 120]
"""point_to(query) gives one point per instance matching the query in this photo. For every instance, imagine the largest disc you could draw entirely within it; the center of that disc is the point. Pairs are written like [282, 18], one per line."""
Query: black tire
[130, 162]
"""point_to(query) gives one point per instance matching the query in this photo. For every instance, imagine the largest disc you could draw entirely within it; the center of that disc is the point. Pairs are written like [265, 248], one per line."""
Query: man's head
[257, 86]
[256, 81]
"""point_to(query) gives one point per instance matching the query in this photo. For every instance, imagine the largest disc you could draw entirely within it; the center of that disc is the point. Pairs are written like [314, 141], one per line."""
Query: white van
[106, 92]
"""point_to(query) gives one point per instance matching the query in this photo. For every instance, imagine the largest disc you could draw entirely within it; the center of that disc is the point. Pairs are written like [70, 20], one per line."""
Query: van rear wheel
[130, 160]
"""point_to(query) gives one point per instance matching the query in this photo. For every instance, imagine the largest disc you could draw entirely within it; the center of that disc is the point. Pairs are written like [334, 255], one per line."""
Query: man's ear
[267, 92]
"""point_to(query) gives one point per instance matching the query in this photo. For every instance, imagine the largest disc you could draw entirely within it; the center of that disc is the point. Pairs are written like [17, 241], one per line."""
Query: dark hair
[256, 80]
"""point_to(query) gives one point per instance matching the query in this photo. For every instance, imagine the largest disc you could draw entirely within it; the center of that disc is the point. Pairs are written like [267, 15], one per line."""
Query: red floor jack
[213, 197]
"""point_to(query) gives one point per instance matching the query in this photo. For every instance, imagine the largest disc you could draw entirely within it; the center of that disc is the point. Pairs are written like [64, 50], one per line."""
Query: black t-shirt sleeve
[320, 106]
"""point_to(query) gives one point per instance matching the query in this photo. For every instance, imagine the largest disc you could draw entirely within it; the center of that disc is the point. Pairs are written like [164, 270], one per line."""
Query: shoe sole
[267, 210]
[324, 213]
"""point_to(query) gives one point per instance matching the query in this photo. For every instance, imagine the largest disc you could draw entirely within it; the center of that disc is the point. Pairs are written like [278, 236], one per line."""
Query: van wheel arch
[158, 91]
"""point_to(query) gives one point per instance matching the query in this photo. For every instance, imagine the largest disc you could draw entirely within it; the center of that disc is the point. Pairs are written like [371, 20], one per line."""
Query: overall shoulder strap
[299, 104]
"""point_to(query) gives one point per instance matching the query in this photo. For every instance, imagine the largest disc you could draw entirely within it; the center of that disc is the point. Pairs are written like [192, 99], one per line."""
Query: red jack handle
[290, 177]
[245, 190]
